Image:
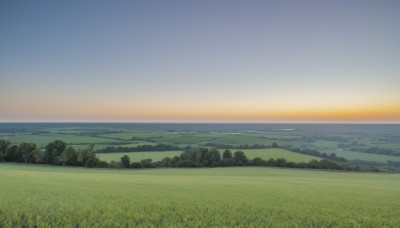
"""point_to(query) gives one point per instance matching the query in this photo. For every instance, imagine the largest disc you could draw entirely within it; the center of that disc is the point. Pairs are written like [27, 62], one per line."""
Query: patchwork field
[137, 156]
[265, 197]
[355, 143]
[278, 153]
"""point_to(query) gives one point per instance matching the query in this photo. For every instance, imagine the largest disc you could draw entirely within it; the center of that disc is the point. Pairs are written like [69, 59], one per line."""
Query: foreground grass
[56, 196]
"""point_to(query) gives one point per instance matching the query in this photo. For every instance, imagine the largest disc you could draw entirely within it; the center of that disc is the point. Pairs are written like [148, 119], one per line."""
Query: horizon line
[200, 122]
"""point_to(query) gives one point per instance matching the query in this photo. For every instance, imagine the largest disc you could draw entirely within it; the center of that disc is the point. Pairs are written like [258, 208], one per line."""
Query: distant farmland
[358, 144]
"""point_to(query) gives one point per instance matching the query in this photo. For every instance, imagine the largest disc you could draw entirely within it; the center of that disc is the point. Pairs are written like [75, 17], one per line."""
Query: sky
[200, 61]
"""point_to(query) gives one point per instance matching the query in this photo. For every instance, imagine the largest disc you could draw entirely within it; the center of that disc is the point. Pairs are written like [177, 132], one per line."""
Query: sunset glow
[229, 61]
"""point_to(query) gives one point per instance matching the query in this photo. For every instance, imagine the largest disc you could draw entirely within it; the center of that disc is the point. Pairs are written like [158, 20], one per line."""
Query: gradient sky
[262, 61]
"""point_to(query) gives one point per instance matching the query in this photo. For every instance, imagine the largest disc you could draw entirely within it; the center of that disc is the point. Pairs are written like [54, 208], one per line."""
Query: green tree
[38, 157]
[4, 144]
[27, 150]
[281, 162]
[69, 156]
[227, 154]
[13, 155]
[53, 150]
[259, 162]
[126, 161]
[166, 162]
[147, 163]
[211, 157]
[274, 145]
[240, 157]
[87, 157]
[200, 155]
[136, 165]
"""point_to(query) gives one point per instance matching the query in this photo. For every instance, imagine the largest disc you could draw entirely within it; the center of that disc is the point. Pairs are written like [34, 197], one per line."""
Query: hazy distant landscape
[360, 144]
[211, 113]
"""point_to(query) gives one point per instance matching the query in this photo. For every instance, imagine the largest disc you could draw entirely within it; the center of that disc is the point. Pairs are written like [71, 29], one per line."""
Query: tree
[200, 154]
[166, 162]
[188, 155]
[227, 162]
[53, 150]
[38, 157]
[87, 157]
[240, 157]
[274, 145]
[4, 144]
[126, 161]
[68, 157]
[281, 162]
[211, 157]
[12, 154]
[227, 154]
[259, 162]
[26, 150]
[147, 163]
[136, 165]
[175, 160]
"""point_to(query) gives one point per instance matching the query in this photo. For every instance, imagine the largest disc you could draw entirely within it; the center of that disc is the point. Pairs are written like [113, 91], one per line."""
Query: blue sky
[200, 60]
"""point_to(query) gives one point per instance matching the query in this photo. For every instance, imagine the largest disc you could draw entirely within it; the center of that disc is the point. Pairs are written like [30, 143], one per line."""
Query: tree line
[211, 157]
[169, 147]
[313, 152]
[59, 153]
[55, 153]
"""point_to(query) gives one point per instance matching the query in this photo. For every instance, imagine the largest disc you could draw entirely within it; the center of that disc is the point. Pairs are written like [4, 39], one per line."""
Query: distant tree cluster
[376, 150]
[363, 148]
[315, 153]
[55, 153]
[238, 147]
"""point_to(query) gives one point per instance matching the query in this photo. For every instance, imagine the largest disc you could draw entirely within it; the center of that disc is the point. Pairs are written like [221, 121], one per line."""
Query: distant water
[211, 127]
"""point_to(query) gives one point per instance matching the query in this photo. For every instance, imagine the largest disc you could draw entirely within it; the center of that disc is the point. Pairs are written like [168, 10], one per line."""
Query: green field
[43, 139]
[352, 155]
[278, 153]
[137, 156]
[243, 139]
[219, 197]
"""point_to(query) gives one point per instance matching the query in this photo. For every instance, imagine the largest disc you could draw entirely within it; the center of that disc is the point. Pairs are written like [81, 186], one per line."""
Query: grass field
[242, 140]
[246, 197]
[278, 153]
[137, 156]
[43, 139]
[353, 155]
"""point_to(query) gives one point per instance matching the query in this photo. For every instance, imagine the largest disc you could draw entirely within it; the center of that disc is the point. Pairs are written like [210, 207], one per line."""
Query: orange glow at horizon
[212, 112]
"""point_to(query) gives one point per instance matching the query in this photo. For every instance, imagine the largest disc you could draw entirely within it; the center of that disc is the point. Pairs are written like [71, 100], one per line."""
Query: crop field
[243, 140]
[278, 153]
[43, 139]
[138, 156]
[265, 197]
